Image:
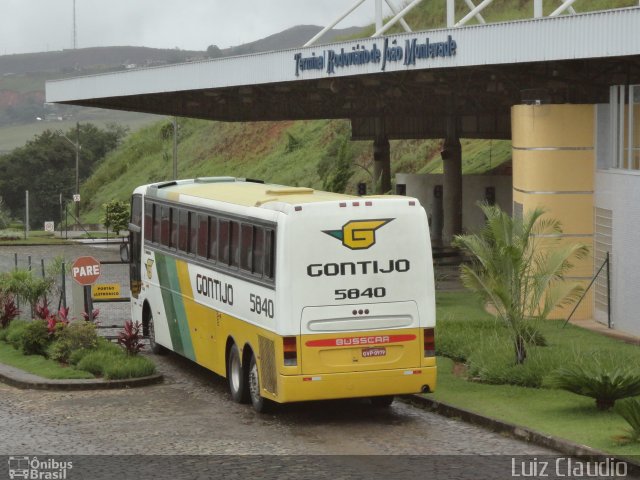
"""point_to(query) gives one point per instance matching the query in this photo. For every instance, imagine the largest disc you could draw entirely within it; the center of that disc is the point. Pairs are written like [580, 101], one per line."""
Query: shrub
[594, 377]
[115, 364]
[35, 338]
[94, 361]
[8, 309]
[77, 355]
[130, 367]
[27, 286]
[629, 409]
[77, 335]
[14, 333]
[130, 338]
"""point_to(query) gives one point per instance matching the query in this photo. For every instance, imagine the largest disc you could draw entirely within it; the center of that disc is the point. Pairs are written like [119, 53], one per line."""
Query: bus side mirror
[124, 253]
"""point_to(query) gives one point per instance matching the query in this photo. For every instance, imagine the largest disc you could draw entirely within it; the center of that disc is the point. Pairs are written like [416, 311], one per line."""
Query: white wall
[619, 191]
[473, 190]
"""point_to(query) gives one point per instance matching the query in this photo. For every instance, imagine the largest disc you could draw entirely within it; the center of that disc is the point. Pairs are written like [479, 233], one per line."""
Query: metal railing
[593, 280]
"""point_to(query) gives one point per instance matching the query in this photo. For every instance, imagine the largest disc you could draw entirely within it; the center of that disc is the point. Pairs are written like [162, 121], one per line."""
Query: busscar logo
[358, 234]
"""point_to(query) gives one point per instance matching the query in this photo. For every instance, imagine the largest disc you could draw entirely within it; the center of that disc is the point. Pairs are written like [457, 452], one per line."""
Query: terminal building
[565, 89]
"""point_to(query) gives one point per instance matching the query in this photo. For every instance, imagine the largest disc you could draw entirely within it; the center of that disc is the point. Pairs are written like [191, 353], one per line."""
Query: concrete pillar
[553, 168]
[381, 165]
[381, 159]
[452, 186]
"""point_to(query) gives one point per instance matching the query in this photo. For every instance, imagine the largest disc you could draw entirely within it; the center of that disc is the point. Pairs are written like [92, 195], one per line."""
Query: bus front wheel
[155, 347]
[236, 376]
[260, 404]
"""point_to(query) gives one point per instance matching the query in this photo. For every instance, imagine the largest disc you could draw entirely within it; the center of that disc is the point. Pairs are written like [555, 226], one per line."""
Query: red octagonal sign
[85, 270]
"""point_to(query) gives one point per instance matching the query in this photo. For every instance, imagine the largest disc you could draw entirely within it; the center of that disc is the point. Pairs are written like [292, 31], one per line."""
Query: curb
[516, 431]
[21, 379]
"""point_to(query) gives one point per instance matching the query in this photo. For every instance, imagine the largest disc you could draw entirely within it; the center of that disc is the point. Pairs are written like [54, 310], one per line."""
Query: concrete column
[452, 186]
[381, 165]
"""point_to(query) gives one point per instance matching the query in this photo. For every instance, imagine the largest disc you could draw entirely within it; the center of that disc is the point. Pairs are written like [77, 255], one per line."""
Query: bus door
[135, 245]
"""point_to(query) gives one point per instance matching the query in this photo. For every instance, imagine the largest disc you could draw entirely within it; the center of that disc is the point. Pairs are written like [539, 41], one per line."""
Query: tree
[518, 268]
[213, 51]
[116, 215]
[336, 168]
[46, 167]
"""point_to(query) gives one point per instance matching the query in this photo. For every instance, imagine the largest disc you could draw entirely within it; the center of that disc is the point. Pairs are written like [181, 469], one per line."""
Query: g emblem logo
[149, 264]
[358, 234]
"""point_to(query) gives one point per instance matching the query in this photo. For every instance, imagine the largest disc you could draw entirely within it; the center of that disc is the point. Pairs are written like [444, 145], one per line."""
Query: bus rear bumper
[299, 388]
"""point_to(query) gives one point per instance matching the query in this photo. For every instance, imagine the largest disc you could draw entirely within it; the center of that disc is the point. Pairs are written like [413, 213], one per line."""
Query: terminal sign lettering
[413, 51]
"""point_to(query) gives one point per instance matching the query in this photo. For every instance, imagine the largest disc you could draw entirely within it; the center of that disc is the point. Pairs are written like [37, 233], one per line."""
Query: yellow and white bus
[290, 293]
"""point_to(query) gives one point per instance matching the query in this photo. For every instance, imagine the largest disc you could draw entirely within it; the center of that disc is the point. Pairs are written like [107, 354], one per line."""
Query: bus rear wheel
[260, 404]
[382, 402]
[236, 376]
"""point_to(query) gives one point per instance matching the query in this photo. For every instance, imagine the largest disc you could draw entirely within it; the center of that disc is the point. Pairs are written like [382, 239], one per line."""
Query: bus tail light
[290, 349]
[429, 342]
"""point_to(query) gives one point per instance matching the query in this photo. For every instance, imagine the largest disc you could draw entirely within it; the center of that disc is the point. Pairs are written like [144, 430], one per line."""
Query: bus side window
[156, 223]
[246, 247]
[269, 250]
[173, 238]
[234, 245]
[203, 235]
[183, 231]
[193, 233]
[165, 225]
[148, 220]
[213, 238]
[223, 241]
[258, 250]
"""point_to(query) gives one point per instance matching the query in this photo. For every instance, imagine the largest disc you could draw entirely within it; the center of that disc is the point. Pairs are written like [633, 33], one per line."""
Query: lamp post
[77, 147]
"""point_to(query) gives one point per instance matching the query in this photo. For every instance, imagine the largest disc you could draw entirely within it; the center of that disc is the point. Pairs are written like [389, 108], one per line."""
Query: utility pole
[75, 36]
[77, 145]
[175, 148]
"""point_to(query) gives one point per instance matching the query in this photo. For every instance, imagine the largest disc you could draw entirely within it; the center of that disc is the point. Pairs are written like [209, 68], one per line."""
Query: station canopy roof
[413, 80]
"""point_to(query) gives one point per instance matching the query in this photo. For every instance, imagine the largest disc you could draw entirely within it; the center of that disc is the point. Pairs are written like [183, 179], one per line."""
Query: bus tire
[382, 402]
[237, 376]
[260, 404]
[153, 346]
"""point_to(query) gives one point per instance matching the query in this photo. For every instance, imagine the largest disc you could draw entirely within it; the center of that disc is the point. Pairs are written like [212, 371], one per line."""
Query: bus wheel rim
[235, 373]
[254, 386]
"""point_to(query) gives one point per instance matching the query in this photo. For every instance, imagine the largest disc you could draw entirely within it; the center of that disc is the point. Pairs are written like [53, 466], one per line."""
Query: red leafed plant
[130, 338]
[58, 320]
[9, 310]
[94, 315]
[42, 310]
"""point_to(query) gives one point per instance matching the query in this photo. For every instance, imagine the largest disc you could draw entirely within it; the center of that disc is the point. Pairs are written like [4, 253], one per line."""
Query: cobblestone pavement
[192, 414]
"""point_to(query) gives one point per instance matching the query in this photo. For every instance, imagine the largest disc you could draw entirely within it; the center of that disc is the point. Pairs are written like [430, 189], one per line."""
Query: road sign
[76, 197]
[101, 291]
[49, 226]
[85, 270]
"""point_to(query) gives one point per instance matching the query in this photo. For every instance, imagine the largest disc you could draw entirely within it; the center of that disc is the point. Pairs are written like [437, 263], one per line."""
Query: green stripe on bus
[173, 306]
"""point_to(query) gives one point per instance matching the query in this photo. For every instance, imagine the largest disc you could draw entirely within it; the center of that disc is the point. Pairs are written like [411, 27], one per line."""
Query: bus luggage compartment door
[363, 337]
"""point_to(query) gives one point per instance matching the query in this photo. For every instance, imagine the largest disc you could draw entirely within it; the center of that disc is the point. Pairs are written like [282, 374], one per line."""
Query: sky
[47, 25]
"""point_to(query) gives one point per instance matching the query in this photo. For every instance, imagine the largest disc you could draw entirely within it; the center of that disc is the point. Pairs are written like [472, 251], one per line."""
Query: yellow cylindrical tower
[553, 168]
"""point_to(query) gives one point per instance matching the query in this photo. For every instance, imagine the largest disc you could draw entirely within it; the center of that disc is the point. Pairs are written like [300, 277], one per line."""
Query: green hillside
[280, 152]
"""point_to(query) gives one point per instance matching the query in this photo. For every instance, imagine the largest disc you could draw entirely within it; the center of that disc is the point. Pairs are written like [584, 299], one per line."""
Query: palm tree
[518, 268]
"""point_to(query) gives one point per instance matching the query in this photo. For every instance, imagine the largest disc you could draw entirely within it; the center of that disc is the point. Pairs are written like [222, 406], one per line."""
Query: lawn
[38, 365]
[545, 410]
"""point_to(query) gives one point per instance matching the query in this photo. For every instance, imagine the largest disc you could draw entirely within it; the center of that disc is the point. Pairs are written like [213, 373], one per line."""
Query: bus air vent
[289, 191]
[268, 364]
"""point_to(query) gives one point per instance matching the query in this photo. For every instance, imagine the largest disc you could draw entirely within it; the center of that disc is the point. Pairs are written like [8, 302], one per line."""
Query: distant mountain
[85, 60]
[290, 38]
